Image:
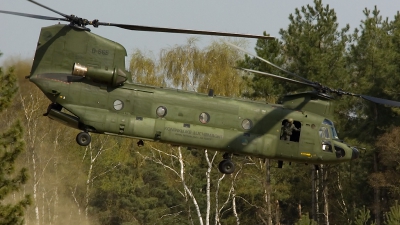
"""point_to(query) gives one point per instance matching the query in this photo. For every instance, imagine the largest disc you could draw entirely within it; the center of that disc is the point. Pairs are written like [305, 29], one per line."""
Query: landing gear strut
[226, 166]
[83, 139]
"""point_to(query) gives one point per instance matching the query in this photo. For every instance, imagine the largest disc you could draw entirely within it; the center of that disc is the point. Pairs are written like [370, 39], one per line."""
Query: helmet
[290, 120]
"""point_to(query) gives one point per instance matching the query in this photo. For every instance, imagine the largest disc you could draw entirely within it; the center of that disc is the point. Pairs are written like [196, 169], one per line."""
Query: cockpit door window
[332, 128]
[325, 139]
[324, 133]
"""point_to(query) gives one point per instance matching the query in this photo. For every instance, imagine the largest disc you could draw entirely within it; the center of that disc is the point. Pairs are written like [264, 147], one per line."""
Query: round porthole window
[161, 111]
[247, 124]
[118, 104]
[204, 117]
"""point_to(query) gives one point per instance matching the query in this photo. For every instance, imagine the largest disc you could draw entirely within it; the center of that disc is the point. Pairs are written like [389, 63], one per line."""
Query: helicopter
[84, 77]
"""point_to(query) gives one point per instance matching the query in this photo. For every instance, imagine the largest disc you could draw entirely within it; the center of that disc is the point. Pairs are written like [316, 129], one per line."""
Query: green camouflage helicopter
[85, 79]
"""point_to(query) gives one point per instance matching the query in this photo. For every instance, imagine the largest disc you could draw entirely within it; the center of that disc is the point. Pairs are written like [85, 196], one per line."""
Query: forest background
[46, 179]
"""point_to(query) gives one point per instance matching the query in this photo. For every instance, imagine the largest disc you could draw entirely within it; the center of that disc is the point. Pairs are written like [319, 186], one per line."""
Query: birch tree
[157, 157]
[191, 68]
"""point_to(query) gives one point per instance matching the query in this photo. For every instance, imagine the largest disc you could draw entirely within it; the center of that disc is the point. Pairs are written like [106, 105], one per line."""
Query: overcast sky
[19, 35]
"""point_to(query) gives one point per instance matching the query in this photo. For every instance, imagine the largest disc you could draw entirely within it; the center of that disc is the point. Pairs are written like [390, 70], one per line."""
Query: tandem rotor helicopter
[84, 77]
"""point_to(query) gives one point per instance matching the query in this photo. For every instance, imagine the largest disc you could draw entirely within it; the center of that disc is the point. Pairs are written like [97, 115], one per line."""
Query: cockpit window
[332, 127]
[334, 133]
[327, 122]
[324, 133]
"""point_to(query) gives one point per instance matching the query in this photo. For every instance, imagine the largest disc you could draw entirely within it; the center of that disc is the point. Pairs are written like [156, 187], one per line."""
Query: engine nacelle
[113, 77]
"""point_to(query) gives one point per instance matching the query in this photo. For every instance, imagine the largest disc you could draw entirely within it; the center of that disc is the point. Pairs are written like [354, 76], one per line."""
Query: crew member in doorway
[288, 129]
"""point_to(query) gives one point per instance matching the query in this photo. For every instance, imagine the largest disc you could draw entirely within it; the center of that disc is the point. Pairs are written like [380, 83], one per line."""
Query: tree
[264, 87]
[393, 216]
[144, 69]
[48, 155]
[313, 47]
[190, 68]
[305, 220]
[11, 146]
[8, 87]
[373, 65]
[389, 157]
[363, 217]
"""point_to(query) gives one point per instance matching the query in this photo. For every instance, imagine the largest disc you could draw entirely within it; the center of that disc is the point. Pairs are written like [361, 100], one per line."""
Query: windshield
[332, 128]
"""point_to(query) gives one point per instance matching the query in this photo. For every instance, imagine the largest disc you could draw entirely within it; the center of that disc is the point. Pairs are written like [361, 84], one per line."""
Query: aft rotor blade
[59, 13]
[280, 77]
[381, 101]
[181, 31]
[269, 63]
[33, 16]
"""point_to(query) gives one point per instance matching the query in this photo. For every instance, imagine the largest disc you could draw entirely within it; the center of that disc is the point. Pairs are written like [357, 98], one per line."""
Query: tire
[83, 139]
[226, 166]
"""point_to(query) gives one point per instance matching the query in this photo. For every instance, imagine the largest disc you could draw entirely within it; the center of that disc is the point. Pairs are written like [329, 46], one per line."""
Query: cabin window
[118, 104]
[290, 130]
[247, 124]
[161, 111]
[204, 117]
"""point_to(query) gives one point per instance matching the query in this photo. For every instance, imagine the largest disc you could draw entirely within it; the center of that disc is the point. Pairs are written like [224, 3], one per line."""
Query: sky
[19, 35]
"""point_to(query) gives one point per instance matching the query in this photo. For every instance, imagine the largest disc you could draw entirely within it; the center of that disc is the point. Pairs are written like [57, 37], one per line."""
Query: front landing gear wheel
[83, 139]
[226, 166]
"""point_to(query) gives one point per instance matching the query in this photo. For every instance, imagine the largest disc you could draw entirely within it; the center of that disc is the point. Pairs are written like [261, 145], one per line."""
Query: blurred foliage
[12, 178]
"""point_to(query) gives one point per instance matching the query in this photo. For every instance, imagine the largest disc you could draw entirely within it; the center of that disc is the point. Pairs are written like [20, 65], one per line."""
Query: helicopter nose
[355, 153]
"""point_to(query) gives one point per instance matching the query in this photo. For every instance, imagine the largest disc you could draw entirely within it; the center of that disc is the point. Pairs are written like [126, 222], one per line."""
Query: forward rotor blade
[181, 31]
[279, 77]
[269, 63]
[59, 13]
[33, 16]
[381, 101]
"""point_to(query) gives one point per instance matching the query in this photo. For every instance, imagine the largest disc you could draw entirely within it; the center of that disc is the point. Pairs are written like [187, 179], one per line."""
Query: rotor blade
[181, 31]
[59, 13]
[33, 16]
[269, 63]
[279, 77]
[381, 101]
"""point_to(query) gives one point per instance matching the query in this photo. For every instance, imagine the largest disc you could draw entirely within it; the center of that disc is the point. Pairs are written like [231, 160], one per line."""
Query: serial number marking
[99, 51]
[193, 134]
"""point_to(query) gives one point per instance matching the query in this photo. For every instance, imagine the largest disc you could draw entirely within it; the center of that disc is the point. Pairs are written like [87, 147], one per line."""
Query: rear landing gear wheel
[83, 139]
[140, 143]
[226, 166]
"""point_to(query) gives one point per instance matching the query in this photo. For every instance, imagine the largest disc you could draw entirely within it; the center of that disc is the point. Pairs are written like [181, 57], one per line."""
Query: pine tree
[265, 87]
[363, 217]
[393, 216]
[312, 47]
[11, 146]
[372, 61]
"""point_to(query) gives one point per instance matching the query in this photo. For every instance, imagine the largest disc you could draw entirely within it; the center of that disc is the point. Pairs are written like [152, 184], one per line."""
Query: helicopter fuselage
[190, 119]
[97, 99]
